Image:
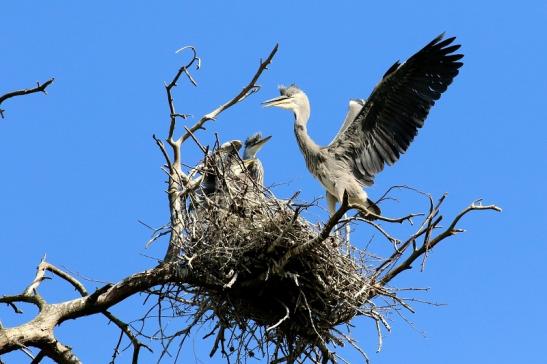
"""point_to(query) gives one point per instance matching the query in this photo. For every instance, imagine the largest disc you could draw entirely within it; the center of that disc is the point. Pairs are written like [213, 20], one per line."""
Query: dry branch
[39, 88]
[178, 180]
[245, 92]
[39, 331]
[431, 243]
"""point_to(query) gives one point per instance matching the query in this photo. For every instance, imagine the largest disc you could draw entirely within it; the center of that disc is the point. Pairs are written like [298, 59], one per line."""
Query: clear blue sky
[79, 167]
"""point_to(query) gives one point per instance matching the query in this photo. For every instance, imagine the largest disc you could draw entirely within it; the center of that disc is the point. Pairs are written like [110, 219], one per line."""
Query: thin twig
[160, 145]
[287, 312]
[137, 345]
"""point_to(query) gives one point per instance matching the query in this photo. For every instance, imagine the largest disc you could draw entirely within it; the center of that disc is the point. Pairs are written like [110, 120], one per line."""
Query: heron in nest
[375, 131]
[225, 171]
[251, 163]
[220, 163]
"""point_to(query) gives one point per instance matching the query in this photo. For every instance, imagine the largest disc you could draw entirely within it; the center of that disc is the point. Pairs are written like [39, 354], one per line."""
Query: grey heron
[253, 165]
[378, 130]
[221, 161]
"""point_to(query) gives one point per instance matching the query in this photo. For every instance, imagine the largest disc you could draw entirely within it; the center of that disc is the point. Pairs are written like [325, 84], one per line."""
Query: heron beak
[263, 141]
[258, 145]
[276, 101]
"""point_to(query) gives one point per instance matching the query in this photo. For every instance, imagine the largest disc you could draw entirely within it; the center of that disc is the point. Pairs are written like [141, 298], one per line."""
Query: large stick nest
[269, 276]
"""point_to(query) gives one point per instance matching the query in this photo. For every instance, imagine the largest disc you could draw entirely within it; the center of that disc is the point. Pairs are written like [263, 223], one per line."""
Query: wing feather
[354, 108]
[397, 107]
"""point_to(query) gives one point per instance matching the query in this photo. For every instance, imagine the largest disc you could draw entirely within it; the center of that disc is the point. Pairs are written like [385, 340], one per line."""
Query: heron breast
[334, 177]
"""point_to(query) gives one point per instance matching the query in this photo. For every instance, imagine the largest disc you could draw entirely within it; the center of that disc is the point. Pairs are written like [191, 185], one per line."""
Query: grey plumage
[353, 109]
[218, 163]
[253, 165]
[221, 162]
[376, 131]
[224, 172]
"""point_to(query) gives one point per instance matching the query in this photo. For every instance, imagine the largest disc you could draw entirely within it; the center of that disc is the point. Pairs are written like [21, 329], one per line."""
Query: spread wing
[353, 109]
[396, 109]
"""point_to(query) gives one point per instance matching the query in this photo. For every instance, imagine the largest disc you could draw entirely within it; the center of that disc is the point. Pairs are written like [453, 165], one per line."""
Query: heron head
[230, 147]
[253, 144]
[291, 98]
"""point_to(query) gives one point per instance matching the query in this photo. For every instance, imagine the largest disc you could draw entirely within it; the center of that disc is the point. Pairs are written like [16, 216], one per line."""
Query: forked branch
[428, 244]
[39, 332]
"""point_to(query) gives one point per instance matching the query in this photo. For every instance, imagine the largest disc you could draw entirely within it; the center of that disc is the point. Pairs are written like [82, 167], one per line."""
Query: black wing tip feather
[443, 43]
[440, 44]
[392, 68]
[440, 54]
[437, 38]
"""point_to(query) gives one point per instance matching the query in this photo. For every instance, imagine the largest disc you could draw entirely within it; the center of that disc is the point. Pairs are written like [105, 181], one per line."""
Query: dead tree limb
[39, 88]
[178, 180]
[39, 331]
[248, 90]
[431, 243]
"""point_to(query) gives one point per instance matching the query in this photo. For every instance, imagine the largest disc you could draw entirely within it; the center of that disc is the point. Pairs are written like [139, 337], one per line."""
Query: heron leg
[359, 200]
[369, 211]
[347, 235]
[331, 202]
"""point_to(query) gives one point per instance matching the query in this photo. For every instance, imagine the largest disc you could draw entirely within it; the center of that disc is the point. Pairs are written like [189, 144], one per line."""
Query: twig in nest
[287, 312]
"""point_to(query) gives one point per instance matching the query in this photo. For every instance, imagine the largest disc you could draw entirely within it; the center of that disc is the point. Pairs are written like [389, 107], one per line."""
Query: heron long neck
[308, 147]
[248, 155]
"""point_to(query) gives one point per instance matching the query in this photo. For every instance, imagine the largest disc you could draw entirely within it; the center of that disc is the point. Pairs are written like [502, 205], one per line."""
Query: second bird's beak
[263, 141]
[276, 101]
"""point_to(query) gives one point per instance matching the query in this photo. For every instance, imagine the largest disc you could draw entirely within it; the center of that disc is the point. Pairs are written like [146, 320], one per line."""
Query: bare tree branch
[171, 102]
[60, 353]
[451, 230]
[11, 300]
[38, 359]
[137, 344]
[39, 88]
[40, 276]
[245, 92]
[39, 331]
[177, 178]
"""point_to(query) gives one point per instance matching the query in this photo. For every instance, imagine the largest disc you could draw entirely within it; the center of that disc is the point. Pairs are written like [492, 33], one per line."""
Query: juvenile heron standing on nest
[252, 164]
[220, 162]
[378, 130]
